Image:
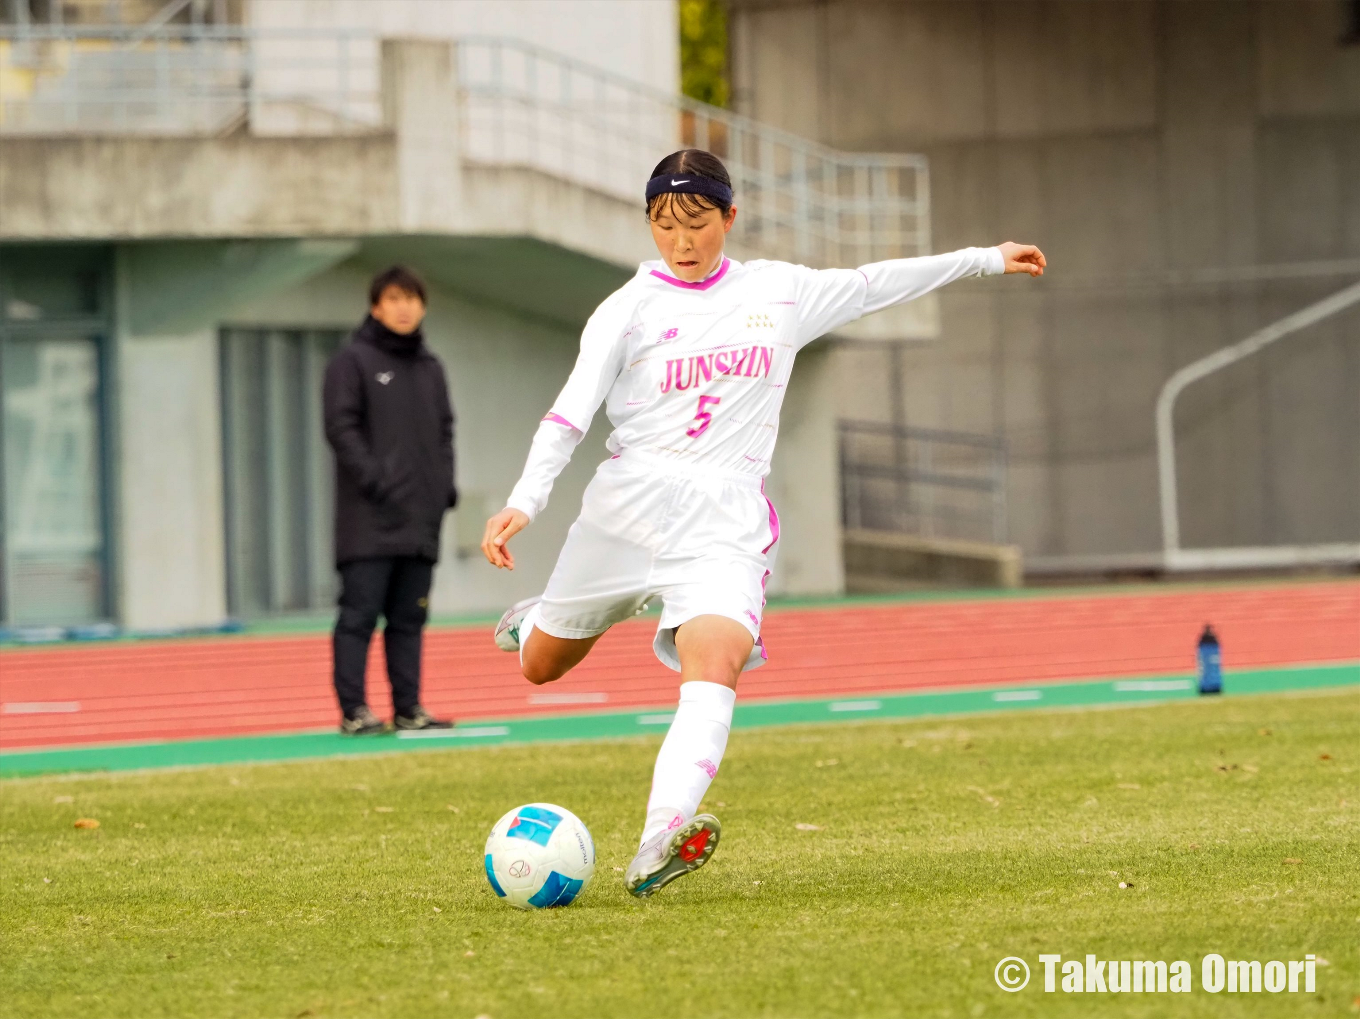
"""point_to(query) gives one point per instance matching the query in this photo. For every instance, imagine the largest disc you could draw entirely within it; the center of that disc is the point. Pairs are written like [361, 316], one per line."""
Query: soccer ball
[538, 856]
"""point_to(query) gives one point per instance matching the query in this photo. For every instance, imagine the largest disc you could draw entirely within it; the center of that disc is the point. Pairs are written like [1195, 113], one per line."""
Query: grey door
[277, 470]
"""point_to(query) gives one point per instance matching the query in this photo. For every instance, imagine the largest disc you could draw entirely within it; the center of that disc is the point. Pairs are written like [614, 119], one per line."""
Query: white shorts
[701, 540]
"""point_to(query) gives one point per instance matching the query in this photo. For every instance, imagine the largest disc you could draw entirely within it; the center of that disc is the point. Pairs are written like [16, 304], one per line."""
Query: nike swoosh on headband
[715, 190]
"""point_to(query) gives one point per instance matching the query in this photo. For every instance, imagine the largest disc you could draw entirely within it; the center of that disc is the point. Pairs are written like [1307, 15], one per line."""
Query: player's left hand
[1023, 258]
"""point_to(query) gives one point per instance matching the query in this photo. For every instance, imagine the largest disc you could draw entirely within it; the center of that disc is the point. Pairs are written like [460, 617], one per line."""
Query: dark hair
[699, 161]
[400, 277]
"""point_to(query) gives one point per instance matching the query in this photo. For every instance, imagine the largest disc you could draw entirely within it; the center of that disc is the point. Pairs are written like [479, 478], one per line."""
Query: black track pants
[398, 587]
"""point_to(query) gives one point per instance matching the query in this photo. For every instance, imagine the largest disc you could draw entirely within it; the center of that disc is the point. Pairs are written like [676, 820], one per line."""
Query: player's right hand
[499, 530]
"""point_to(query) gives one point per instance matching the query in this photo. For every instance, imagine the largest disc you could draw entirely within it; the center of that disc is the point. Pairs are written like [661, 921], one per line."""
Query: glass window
[41, 283]
[54, 529]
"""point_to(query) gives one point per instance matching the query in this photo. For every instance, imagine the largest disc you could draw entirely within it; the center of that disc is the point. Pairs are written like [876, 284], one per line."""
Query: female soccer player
[691, 357]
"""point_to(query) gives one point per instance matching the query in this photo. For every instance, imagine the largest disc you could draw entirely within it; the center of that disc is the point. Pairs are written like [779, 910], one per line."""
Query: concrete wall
[637, 39]
[804, 482]
[122, 187]
[168, 475]
[405, 177]
[171, 538]
[1168, 157]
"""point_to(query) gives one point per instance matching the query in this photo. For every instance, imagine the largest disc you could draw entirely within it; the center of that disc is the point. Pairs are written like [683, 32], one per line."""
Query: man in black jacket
[389, 420]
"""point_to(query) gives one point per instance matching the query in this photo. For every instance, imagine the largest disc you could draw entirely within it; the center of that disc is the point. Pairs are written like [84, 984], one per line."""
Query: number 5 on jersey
[703, 418]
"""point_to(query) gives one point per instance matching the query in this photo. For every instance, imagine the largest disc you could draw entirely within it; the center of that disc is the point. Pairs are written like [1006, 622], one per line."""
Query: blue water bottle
[1210, 662]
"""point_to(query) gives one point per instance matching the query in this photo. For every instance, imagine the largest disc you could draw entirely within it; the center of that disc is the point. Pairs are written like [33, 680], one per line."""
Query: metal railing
[923, 481]
[1174, 556]
[520, 106]
[526, 106]
[177, 80]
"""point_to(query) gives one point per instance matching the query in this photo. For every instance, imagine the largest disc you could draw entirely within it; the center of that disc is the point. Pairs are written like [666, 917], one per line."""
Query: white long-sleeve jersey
[696, 372]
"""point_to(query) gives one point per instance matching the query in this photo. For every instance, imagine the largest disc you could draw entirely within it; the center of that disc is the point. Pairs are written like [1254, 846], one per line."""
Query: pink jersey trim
[559, 419]
[760, 641]
[774, 522]
[702, 284]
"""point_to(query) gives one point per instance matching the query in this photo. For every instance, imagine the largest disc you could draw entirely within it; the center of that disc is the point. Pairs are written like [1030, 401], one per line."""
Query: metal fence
[176, 80]
[1176, 557]
[526, 106]
[922, 481]
[520, 106]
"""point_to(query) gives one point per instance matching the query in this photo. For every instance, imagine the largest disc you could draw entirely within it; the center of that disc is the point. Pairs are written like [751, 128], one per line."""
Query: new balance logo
[708, 766]
[385, 377]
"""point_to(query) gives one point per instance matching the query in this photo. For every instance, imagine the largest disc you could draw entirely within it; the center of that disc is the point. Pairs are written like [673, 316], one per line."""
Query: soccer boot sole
[689, 847]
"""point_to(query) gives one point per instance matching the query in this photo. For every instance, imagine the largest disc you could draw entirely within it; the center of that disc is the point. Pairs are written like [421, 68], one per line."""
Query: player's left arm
[905, 279]
[830, 298]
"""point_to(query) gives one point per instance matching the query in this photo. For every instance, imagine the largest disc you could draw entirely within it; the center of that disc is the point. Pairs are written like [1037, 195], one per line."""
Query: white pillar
[421, 106]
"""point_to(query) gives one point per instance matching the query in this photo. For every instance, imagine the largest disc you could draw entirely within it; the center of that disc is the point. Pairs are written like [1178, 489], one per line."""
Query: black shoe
[420, 719]
[362, 723]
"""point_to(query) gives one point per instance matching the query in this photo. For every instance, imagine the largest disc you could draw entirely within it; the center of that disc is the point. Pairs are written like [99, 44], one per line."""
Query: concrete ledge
[884, 561]
[103, 188]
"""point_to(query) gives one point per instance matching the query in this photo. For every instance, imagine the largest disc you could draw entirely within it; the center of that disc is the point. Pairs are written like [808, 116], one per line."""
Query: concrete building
[1191, 170]
[191, 204]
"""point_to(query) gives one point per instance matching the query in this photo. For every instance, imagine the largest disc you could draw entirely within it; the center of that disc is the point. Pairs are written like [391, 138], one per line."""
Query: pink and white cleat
[507, 630]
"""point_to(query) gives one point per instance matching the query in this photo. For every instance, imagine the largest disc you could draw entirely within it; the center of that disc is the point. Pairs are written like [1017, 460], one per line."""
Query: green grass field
[355, 887]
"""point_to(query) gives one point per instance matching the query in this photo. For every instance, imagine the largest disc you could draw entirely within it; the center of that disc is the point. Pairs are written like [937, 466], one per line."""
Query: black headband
[689, 184]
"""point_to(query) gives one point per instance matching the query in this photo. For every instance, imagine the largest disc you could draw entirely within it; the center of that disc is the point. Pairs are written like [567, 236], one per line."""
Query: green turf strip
[879, 869]
[612, 725]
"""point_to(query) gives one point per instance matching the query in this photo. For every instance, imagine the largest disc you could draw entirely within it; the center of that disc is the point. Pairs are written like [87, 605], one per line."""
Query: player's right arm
[500, 529]
[603, 343]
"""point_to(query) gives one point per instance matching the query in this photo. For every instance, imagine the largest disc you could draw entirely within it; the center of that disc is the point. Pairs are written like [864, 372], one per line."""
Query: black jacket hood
[401, 345]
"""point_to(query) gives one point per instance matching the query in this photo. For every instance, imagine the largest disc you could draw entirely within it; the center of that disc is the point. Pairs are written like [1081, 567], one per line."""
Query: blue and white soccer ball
[538, 856]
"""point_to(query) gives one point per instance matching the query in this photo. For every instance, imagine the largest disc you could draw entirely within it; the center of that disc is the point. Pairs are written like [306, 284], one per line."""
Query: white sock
[689, 758]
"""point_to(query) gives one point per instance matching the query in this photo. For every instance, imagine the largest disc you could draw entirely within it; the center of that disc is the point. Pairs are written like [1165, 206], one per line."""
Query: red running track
[234, 685]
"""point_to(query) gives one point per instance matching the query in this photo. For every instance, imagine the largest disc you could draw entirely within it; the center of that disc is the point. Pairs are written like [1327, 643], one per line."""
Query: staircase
[518, 106]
